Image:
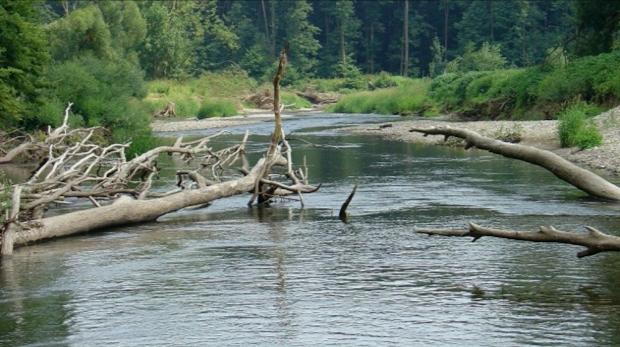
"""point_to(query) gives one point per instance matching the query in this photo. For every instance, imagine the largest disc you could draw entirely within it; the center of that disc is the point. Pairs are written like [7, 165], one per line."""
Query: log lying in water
[120, 189]
[594, 240]
[583, 179]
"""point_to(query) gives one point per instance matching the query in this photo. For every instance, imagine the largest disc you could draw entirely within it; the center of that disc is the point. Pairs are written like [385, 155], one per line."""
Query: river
[229, 275]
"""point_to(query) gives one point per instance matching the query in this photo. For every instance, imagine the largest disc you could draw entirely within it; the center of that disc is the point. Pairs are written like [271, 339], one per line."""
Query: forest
[205, 55]
[268, 172]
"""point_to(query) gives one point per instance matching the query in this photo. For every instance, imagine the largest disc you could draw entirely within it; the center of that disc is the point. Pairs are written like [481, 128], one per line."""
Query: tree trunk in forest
[446, 13]
[406, 39]
[491, 20]
[273, 28]
[372, 52]
[266, 21]
[343, 53]
[583, 179]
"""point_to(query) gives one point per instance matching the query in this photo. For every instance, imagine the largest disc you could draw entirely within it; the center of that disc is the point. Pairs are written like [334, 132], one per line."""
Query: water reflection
[286, 276]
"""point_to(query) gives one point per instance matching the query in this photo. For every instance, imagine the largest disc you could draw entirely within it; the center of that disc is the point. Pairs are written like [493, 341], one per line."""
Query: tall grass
[216, 108]
[410, 98]
[527, 93]
[190, 95]
[577, 129]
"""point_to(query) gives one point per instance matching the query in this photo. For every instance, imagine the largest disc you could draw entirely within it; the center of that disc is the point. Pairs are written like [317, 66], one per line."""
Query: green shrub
[293, 101]
[576, 129]
[410, 98]
[382, 80]
[217, 108]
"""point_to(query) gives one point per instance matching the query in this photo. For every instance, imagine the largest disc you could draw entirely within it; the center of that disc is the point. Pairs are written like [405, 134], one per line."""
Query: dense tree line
[96, 51]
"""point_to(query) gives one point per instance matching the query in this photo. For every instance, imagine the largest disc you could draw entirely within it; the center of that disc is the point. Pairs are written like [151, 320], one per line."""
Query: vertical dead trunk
[405, 56]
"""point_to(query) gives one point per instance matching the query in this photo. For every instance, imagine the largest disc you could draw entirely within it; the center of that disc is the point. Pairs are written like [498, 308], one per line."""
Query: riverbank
[541, 134]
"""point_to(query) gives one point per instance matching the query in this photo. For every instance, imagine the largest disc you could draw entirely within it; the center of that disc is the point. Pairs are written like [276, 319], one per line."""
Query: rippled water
[229, 275]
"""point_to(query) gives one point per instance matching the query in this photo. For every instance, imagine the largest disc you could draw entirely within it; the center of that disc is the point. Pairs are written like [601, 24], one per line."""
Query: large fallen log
[594, 240]
[120, 189]
[583, 179]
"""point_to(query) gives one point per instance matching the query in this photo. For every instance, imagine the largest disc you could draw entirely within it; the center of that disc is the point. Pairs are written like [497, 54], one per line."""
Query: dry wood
[169, 111]
[594, 240]
[583, 179]
[120, 189]
[343, 215]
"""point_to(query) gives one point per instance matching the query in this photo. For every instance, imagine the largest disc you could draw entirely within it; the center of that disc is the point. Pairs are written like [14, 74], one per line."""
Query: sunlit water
[229, 275]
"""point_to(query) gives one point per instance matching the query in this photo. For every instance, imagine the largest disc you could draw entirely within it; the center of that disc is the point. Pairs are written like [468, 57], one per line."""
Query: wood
[169, 111]
[120, 189]
[343, 215]
[9, 234]
[585, 180]
[593, 240]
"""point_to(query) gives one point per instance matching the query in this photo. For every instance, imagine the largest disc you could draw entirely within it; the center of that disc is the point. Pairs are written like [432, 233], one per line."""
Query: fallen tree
[594, 240]
[583, 179]
[120, 189]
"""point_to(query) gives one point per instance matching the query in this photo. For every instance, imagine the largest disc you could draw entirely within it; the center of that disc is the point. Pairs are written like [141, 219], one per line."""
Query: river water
[229, 275]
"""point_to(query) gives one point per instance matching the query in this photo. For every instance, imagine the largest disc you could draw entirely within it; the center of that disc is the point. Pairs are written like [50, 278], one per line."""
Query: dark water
[228, 275]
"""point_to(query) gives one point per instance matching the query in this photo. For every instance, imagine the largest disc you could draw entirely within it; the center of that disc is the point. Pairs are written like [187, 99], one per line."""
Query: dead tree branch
[583, 179]
[76, 167]
[593, 240]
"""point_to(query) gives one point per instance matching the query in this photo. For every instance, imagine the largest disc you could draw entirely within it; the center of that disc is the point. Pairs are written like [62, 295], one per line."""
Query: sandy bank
[541, 134]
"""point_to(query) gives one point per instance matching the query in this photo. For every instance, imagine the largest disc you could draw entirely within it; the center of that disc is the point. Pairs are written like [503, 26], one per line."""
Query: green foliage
[576, 129]
[188, 95]
[301, 33]
[438, 63]
[83, 31]
[23, 56]
[382, 80]
[410, 98]
[293, 102]
[216, 108]
[598, 23]
[488, 57]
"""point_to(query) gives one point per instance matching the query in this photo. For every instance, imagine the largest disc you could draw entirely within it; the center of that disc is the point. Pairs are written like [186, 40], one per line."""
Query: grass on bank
[216, 108]
[576, 128]
[528, 93]
[409, 98]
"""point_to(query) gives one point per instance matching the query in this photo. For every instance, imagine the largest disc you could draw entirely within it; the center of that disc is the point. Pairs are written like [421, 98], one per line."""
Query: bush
[410, 98]
[488, 57]
[293, 101]
[576, 128]
[216, 108]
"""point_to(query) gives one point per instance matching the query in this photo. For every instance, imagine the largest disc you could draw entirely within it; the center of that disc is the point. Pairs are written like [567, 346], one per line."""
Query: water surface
[229, 275]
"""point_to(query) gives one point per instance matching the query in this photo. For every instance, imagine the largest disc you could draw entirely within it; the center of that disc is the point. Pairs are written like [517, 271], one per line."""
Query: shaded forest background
[99, 54]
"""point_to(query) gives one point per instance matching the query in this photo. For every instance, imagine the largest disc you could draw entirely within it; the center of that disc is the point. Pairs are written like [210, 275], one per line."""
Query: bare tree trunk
[126, 210]
[84, 169]
[583, 179]
[406, 39]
